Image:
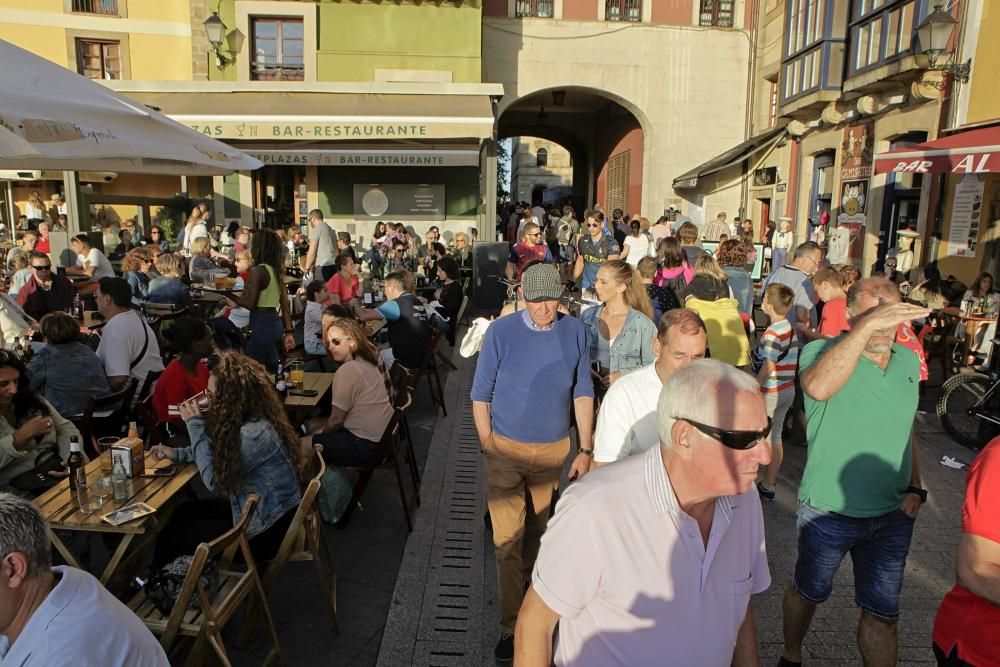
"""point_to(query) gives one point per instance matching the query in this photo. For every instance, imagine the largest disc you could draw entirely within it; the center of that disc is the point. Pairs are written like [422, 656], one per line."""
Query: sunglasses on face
[592, 226]
[731, 439]
[47, 267]
[337, 342]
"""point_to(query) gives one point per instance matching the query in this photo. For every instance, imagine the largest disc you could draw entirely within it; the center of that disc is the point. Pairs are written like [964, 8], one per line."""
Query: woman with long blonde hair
[620, 330]
[362, 397]
[242, 443]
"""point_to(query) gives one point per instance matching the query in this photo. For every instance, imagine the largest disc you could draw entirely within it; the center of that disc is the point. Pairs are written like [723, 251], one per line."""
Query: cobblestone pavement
[930, 567]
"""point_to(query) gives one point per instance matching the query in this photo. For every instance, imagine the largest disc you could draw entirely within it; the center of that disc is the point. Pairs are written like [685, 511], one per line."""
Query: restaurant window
[809, 64]
[277, 49]
[881, 31]
[98, 59]
[623, 10]
[541, 158]
[536, 8]
[716, 13]
[772, 104]
[103, 7]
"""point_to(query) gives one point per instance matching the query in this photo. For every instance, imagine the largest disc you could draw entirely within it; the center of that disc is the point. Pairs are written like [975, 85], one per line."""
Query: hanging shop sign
[276, 129]
[966, 214]
[765, 177]
[856, 155]
[366, 158]
[397, 201]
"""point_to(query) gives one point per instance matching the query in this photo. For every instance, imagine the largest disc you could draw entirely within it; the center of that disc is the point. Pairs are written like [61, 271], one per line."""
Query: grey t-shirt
[805, 294]
[326, 243]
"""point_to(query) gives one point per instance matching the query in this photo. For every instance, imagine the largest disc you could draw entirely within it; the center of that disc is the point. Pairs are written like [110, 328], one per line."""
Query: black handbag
[38, 480]
[164, 586]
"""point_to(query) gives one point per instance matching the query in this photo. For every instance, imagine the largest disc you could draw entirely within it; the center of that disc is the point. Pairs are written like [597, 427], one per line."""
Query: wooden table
[60, 510]
[320, 382]
[972, 323]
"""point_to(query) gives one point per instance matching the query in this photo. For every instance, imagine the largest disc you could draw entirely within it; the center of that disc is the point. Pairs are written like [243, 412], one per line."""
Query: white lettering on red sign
[917, 166]
[966, 165]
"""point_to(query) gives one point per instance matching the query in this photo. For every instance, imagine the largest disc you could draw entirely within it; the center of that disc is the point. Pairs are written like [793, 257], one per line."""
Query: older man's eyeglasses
[42, 267]
[731, 439]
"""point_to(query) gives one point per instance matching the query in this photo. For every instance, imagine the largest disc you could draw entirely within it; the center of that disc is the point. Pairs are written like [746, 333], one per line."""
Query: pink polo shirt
[631, 578]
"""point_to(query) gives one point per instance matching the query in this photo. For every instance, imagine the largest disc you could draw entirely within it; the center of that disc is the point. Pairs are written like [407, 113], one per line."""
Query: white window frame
[247, 10]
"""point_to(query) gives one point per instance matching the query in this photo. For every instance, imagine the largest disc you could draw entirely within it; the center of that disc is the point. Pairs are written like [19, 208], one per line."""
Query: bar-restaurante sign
[335, 130]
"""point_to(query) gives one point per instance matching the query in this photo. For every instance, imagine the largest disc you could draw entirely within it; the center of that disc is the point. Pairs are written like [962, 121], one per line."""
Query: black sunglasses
[47, 267]
[731, 439]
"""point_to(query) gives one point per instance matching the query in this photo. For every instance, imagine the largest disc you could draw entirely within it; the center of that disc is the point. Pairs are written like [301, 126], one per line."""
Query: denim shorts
[878, 547]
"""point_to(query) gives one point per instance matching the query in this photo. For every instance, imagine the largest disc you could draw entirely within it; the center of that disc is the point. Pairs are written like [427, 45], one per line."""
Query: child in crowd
[20, 272]
[662, 297]
[312, 330]
[829, 285]
[778, 355]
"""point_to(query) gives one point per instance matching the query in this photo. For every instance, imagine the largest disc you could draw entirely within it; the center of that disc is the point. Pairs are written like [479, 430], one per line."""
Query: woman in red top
[187, 374]
[344, 286]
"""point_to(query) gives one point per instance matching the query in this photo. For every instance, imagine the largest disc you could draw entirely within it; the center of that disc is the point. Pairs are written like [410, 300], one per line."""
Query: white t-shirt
[239, 316]
[80, 623]
[837, 242]
[626, 423]
[121, 342]
[96, 258]
[636, 248]
[199, 230]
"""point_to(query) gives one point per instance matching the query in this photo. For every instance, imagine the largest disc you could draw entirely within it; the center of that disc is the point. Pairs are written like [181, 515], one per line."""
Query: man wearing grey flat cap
[534, 366]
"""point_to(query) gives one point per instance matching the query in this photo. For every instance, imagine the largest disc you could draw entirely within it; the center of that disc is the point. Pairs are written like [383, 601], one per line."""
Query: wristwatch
[917, 491]
[586, 452]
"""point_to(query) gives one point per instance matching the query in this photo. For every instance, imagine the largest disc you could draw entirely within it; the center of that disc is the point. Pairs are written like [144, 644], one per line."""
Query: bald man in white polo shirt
[652, 560]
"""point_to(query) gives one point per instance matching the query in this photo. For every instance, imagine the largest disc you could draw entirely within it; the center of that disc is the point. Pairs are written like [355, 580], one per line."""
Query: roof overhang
[730, 158]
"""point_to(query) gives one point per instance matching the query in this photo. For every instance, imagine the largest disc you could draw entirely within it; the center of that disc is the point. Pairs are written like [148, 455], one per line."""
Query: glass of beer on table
[297, 374]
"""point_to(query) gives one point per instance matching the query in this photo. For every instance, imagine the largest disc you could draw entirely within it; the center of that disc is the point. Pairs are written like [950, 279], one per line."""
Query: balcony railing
[623, 10]
[278, 71]
[542, 9]
[106, 7]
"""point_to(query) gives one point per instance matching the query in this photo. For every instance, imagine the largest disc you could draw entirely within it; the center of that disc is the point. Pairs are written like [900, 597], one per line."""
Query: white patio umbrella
[52, 118]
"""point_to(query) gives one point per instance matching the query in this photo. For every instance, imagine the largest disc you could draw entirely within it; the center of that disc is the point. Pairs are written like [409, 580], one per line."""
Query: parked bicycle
[969, 406]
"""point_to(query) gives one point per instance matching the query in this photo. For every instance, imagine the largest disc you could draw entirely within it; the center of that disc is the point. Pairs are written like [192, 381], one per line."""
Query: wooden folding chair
[215, 607]
[304, 541]
[387, 454]
[105, 416]
[404, 383]
[430, 369]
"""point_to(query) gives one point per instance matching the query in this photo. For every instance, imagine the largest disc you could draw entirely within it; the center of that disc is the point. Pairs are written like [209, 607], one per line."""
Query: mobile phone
[165, 471]
[309, 393]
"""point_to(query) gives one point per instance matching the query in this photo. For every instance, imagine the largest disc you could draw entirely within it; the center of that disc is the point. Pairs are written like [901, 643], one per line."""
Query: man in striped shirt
[779, 354]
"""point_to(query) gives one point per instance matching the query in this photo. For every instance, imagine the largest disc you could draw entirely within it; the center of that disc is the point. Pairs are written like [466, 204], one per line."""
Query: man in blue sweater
[534, 365]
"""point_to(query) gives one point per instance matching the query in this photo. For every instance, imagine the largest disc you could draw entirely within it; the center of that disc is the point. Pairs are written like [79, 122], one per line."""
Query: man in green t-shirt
[860, 490]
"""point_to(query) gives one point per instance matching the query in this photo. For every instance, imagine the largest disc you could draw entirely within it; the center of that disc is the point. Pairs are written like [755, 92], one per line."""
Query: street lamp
[217, 34]
[934, 33]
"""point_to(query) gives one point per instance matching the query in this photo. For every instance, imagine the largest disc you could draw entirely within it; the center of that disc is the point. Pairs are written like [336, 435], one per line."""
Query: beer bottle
[76, 463]
[133, 431]
[18, 348]
[78, 307]
[279, 381]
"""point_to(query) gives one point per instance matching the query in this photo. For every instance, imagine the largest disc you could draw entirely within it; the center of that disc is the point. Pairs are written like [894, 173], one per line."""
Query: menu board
[966, 214]
[399, 202]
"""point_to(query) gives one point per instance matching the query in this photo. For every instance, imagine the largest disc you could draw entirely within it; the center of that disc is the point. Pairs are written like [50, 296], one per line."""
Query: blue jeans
[878, 547]
[265, 336]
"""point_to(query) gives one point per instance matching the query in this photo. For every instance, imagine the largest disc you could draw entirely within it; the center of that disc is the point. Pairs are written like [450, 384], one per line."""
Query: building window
[541, 158]
[98, 59]
[881, 31]
[623, 10]
[619, 176]
[277, 49]
[716, 13]
[772, 105]
[105, 7]
[541, 9]
[808, 64]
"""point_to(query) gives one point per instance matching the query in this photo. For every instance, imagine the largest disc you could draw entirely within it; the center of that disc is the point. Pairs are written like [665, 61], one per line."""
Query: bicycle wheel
[960, 397]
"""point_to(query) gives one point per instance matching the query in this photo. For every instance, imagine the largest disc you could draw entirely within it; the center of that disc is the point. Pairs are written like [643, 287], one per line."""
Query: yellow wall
[49, 43]
[984, 104]
[160, 57]
[159, 10]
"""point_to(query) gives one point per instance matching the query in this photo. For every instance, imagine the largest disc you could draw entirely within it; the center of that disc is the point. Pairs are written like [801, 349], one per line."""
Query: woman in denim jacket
[620, 330]
[243, 444]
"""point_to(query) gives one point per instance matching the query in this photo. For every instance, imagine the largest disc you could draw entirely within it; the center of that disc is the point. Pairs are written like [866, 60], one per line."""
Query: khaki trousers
[520, 482]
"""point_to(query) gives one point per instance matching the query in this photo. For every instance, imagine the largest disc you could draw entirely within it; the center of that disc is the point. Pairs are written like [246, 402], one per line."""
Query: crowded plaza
[519, 348]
